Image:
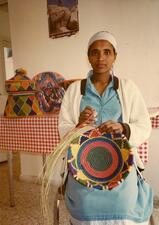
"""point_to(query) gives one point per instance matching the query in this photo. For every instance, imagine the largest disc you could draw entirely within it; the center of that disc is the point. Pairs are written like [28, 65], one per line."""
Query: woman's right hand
[87, 116]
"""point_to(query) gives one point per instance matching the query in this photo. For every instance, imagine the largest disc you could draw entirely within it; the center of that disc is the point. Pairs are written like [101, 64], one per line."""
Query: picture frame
[62, 18]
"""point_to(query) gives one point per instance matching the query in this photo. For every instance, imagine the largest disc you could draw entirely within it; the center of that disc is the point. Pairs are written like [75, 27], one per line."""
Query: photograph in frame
[62, 18]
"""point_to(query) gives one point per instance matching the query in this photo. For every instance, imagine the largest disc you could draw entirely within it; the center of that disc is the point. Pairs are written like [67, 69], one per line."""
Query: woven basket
[22, 100]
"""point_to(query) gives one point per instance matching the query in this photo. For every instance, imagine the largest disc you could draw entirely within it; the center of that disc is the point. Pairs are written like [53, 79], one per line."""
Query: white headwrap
[103, 35]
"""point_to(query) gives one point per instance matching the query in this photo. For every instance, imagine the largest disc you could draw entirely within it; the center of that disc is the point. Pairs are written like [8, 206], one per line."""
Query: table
[28, 134]
[37, 135]
[40, 135]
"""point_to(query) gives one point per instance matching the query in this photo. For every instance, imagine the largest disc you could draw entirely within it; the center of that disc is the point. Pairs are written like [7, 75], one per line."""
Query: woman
[112, 105]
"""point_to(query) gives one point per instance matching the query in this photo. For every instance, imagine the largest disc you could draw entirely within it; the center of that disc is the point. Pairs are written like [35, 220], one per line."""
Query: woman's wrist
[126, 130]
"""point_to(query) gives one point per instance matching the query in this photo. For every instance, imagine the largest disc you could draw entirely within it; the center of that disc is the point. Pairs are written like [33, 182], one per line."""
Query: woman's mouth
[100, 66]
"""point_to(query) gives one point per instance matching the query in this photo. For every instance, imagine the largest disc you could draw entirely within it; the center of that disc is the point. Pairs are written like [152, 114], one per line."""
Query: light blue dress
[129, 201]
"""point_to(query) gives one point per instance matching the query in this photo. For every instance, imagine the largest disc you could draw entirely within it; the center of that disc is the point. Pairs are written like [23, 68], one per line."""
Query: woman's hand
[87, 116]
[110, 127]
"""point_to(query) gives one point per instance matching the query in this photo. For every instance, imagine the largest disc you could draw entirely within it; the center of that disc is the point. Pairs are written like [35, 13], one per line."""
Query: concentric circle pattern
[99, 160]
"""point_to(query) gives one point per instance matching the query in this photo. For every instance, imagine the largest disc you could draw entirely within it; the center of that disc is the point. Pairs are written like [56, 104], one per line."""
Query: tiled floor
[155, 216]
[27, 209]
[27, 196]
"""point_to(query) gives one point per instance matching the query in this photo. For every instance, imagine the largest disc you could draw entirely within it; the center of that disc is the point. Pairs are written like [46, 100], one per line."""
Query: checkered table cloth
[30, 134]
[40, 134]
[154, 116]
[155, 121]
[143, 151]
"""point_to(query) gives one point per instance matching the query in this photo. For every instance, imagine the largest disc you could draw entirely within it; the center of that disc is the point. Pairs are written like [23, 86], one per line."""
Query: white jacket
[134, 113]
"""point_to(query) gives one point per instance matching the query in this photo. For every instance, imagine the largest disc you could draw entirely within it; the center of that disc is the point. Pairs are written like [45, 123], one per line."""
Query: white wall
[152, 167]
[4, 37]
[134, 23]
[4, 23]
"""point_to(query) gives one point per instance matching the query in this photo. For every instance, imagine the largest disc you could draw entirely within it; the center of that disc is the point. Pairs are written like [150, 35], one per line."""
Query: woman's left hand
[110, 127]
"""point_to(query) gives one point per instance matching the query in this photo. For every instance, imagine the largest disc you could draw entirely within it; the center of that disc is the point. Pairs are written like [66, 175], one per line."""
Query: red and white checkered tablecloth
[143, 148]
[30, 134]
[143, 151]
[40, 134]
[154, 116]
[155, 121]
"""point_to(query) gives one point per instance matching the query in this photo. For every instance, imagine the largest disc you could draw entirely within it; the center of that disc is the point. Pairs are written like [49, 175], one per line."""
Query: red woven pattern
[30, 134]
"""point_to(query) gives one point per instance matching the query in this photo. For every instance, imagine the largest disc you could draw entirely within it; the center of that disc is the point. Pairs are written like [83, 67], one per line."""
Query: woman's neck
[100, 78]
[100, 82]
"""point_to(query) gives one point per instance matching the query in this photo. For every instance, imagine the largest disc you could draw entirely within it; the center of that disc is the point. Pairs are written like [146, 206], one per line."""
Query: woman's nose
[101, 56]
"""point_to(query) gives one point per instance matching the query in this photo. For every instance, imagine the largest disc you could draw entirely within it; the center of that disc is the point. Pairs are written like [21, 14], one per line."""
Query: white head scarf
[103, 35]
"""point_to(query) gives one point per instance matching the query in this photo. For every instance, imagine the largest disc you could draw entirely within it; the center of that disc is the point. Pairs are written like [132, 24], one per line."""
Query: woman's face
[101, 56]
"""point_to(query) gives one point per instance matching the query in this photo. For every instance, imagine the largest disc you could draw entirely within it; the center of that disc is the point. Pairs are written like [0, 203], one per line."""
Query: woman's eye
[97, 53]
[107, 52]
[94, 53]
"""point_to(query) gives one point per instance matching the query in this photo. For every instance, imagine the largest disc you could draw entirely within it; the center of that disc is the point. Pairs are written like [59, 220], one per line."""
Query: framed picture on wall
[62, 18]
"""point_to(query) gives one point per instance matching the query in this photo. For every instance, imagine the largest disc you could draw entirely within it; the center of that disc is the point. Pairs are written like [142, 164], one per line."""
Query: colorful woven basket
[98, 160]
[50, 93]
[22, 99]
